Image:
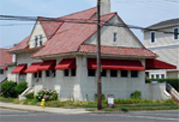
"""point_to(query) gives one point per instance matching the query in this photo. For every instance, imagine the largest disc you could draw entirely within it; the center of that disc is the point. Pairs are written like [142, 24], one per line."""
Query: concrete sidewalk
[39, 109]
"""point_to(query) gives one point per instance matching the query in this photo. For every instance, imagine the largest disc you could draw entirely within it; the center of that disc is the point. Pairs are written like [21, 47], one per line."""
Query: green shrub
[21, 87]
[103, 98]
[174, 82]
[29, 95]
[136, 95]
[8, 89]
[48, 95]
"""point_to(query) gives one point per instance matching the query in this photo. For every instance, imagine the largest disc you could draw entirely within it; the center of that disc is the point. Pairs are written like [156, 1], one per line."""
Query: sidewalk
[39, 109]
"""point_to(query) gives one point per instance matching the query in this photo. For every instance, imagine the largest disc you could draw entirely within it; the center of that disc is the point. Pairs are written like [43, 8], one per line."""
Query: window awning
[156, 64]
[47, 65]
[67, 64]
[33, 68]
[116, 65]
[20, 69]
[6, 68]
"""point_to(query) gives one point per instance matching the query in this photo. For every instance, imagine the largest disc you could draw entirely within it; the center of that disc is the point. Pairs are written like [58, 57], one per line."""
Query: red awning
[156, 64]
[33, 68]
[6, 68]
[47, 65]
[20, 69]
[67, 64]
[116, 65]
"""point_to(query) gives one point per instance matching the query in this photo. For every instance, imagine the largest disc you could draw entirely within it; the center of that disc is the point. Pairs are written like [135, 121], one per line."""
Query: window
[47, 73]
[91, 72]
[35, 75]
[53, 73]
[40, 42]
[152, 37]
[73, 72]
[38, 75]
[176, 35]
[115, 37]
[162, 76]
[66, 72]
[36, 39]
[103, 73]
[134, 74]
[124, 73]
[1, 71]
[113, 73]
[152, 76]
[157, 76]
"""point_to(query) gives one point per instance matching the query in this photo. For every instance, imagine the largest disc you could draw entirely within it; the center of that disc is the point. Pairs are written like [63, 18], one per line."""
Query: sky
[142, 13]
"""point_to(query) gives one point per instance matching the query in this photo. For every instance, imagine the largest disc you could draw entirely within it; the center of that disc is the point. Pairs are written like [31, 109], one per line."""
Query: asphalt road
[23, 116]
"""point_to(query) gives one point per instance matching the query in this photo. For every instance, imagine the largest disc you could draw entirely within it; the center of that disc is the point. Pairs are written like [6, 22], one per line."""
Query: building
[165, 45]
[60, 54]
[5, 58]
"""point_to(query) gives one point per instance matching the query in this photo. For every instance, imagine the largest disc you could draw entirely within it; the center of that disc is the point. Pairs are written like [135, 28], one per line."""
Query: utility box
[111, 100]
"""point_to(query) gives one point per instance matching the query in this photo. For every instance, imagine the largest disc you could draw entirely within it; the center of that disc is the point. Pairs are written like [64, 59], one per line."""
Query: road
[23, 116]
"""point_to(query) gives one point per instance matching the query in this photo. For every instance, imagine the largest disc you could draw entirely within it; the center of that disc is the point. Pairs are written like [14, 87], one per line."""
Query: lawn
[123, 105]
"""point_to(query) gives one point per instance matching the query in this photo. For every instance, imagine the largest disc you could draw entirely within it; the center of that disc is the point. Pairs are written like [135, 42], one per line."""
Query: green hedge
[21, 87]
[12, 89]
[8, 89]
[174, 82]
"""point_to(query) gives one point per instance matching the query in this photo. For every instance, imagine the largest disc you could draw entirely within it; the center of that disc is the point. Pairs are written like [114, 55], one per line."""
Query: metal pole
[99, 56]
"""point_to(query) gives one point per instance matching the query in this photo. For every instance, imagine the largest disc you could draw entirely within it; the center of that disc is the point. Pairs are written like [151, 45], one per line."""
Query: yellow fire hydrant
[43, 103]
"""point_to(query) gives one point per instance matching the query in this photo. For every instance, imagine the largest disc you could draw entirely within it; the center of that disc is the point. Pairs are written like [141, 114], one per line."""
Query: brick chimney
[105, 7]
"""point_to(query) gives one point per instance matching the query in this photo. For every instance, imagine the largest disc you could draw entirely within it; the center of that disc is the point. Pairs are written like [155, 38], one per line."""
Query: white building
[62, 56]
[165, 45]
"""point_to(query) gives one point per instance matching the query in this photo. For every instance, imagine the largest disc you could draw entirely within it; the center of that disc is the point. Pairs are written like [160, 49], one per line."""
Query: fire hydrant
[43, 103]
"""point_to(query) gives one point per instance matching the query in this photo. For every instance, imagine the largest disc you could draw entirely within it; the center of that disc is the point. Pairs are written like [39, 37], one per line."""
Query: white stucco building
[165, 45]
[60, 54]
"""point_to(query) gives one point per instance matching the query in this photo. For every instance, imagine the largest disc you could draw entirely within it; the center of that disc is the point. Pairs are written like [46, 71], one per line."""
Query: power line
[76, 21]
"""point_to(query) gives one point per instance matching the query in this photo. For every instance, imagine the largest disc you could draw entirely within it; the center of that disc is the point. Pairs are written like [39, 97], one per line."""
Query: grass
[121, 105]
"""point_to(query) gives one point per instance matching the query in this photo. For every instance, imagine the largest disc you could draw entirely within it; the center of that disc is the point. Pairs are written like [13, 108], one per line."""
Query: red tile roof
[22, 45]
[5, 57]
[122, 51]
[65, 37]
[69, 37]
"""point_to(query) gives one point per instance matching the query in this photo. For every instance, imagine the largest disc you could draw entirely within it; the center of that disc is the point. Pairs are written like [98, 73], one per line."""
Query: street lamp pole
[99, 55]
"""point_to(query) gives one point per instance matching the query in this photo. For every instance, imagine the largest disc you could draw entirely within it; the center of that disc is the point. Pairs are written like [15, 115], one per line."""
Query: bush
[29, 95]
[174, 82]
[48, 95]
[21, 87]
[136, 95]
[103, 98]
[8, 89]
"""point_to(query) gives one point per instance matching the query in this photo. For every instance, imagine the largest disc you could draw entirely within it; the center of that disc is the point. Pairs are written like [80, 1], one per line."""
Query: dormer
[38, 36]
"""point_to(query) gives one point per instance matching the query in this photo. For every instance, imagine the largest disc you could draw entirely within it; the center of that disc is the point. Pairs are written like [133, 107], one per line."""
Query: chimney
[105, 7]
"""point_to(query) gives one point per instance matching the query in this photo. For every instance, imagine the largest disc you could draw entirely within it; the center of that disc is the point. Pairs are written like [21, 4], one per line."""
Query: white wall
[124, 36]
[83, 87]
[37, 31]
[4, 75]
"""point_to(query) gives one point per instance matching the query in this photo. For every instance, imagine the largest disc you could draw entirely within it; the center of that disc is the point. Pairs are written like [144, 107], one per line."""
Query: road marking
[139, 116]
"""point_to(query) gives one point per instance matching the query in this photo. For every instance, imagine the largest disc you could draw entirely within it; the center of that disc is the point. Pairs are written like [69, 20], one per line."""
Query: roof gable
[69, 37]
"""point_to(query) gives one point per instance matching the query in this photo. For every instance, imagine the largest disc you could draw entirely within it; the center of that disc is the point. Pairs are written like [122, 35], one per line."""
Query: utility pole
[99, 55]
